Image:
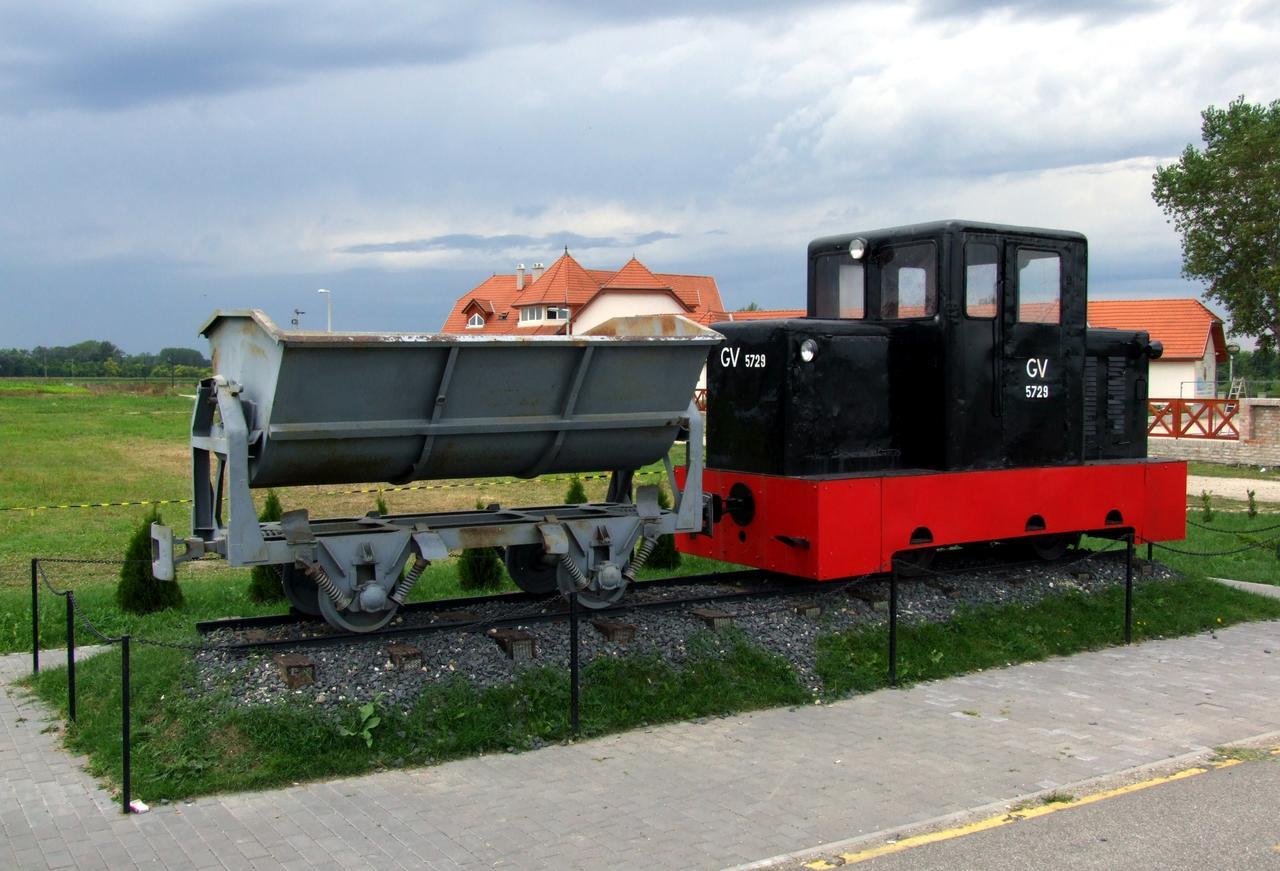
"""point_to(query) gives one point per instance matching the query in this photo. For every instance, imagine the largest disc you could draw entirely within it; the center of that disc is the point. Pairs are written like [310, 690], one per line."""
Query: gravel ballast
[362, 670]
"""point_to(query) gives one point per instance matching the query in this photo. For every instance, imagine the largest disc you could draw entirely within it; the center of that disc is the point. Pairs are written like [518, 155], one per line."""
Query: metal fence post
[574, 723]
[126, 752]
[35, 615]
[71, 656]
[893, 626]
[1128, 589]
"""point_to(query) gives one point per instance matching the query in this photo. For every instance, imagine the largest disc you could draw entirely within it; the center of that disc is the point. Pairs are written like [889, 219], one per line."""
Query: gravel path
[358, 671]
[1265, 490]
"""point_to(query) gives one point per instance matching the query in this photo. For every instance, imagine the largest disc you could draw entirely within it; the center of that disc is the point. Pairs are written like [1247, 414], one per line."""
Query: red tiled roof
[1184, 326]
[567, 282]
[634, 276]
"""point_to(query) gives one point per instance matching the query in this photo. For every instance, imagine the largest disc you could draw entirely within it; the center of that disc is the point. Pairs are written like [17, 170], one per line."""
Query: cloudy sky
[161, 160]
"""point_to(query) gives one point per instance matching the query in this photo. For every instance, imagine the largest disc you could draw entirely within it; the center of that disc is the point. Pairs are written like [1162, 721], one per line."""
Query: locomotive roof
[933, 228]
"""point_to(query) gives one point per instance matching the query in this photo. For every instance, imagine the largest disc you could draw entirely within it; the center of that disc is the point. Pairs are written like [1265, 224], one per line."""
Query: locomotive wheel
[528, 566]
[300, 590]
[914, 563]
[1052, 547]
[354, 621]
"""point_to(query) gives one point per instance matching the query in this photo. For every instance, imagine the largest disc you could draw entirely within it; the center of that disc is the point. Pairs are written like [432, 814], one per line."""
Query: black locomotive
[953, 350]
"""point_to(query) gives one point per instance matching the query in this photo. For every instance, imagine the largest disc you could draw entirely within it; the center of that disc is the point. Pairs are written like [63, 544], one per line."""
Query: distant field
[68, 444]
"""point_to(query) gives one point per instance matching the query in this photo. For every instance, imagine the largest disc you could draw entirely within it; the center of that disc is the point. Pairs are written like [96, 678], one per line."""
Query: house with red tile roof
[1192, 335]
[568, 298]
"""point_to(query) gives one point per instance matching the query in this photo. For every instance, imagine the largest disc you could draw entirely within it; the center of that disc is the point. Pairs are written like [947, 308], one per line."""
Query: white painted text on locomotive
[1037, 367]
[729, 356]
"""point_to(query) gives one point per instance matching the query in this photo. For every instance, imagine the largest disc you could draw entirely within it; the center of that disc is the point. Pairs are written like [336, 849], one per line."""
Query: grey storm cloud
[506, 241]
[109, 61]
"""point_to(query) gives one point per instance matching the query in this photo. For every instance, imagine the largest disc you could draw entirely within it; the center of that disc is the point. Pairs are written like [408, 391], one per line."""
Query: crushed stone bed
[360, 671]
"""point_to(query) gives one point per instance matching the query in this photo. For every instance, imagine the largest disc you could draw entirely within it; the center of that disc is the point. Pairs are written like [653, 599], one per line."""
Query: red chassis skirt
[838, 527]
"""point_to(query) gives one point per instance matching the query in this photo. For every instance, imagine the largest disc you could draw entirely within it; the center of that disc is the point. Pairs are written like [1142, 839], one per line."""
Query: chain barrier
[1236, 531]
[1256, 545]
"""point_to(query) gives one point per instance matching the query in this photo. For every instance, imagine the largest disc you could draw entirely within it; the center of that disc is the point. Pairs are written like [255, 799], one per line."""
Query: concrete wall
[1259, 445]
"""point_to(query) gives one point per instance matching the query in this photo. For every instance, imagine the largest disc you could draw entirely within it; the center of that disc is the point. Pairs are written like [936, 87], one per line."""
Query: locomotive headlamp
[808, 350]
[857, 248]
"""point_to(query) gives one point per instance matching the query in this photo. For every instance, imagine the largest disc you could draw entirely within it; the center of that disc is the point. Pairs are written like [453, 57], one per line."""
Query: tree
[264, 581]
[139, 591]
[1225, 203]
[751, 307]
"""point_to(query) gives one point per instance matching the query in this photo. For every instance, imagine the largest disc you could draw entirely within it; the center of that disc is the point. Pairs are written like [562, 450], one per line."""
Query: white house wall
[617, 305]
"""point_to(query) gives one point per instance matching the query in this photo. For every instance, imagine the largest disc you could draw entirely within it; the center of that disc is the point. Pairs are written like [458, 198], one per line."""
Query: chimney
[519, 276]
[538, 269]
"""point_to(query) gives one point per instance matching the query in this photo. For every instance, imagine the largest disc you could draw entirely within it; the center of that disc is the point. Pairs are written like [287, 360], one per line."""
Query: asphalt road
[1224, 819]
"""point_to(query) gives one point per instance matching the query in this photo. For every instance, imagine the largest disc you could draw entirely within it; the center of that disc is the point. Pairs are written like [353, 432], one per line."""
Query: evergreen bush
[139, 591]
[480, 568]
[576, 494]
[665, 555]
[264, 581]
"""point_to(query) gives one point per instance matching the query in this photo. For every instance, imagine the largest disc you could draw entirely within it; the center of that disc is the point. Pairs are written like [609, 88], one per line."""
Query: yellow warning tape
[459, 486]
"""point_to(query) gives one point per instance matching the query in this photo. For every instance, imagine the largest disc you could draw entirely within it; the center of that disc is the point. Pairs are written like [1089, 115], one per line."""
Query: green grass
[1260, 565]
[184, 746]
[980, 638]
[1218, 470]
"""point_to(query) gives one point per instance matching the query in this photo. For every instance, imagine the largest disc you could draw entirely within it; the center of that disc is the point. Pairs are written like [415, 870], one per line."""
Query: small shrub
[665, 555]
[381, 505]
[1206, 506]
[576, 494]
[1253, 503]
[139, 591]
[480, 568]
[264, 581]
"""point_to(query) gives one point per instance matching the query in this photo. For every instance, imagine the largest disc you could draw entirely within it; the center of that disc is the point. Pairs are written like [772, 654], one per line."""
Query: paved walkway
[1264, 490]
[694, 795]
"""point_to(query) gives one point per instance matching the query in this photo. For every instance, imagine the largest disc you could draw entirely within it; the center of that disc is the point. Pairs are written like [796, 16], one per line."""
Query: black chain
[1239, 531]
[66, 594]
[1256, 545]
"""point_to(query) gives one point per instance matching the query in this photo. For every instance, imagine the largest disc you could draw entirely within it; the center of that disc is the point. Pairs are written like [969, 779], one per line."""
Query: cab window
[908, 281]
[980, 279]
[1039, 287]
[841, 287]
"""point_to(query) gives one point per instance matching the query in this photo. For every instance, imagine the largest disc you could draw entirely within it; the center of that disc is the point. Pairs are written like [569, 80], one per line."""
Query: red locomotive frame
[825, 528]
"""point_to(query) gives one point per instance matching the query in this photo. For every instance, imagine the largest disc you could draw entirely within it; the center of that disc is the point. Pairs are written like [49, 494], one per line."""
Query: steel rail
[464, 603]
[557, 610]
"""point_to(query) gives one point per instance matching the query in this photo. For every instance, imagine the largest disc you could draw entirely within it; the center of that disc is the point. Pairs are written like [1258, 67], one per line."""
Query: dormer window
[557, 313]
[475, 322]
[530, 313]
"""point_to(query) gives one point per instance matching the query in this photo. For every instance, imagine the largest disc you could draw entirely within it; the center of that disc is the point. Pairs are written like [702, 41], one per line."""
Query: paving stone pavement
[690, 795]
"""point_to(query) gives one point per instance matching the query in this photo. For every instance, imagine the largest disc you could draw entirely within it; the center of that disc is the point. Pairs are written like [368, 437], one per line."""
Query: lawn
[67, 445]
[1218, 470]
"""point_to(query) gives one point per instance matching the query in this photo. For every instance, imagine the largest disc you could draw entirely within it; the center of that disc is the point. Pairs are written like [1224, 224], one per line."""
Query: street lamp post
[328, 302]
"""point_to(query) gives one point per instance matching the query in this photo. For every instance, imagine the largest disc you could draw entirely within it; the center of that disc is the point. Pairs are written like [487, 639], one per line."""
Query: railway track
[313, 632]
[439, 616]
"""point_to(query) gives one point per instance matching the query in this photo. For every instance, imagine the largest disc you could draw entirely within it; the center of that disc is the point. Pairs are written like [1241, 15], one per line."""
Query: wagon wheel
[1052, 547]
[531, 568]
[300, 590]
[355, 621]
